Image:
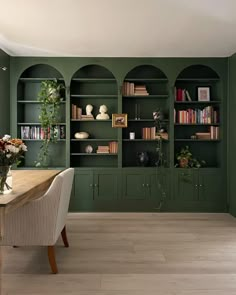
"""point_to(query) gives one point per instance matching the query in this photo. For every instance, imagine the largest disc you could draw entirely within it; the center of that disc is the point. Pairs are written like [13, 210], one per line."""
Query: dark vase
[143, 158]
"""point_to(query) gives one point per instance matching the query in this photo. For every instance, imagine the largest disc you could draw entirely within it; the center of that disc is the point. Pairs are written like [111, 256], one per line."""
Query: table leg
[2, 218]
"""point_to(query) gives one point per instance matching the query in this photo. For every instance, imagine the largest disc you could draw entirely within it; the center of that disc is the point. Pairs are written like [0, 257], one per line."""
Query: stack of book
[103, 149]
[86, 117]
[129, 88]
[113, 147]
[140, 90]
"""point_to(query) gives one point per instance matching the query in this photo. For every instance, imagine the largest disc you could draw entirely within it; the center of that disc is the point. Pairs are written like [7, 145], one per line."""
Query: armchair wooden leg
[52, 260]
[64, 237]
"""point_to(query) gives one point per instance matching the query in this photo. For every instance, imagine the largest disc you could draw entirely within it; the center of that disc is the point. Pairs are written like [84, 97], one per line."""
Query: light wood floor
[124, 254]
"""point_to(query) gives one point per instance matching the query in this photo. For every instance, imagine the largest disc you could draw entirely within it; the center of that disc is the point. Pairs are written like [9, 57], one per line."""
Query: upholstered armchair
[41, 221]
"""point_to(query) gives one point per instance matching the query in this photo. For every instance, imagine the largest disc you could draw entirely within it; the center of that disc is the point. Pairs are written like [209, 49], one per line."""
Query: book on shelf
[214, 132]
[113, 147]
[103, 149]
[187, 95]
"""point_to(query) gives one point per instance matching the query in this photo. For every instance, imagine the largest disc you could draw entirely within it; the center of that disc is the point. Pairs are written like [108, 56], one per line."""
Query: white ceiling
[118, 28]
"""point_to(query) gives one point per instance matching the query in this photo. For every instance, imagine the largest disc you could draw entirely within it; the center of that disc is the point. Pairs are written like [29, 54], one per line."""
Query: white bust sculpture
[89, 109]
[102, 111]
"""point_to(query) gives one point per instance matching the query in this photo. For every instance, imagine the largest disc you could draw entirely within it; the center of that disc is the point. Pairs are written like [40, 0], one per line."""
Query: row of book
[182, 95]
[111, 148]
[148, 133]
[208, 115]
[37, 132]
[130, 88]
[76, 114]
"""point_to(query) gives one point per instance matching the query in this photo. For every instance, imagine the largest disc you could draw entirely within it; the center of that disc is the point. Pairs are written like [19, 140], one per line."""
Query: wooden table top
[27, 185]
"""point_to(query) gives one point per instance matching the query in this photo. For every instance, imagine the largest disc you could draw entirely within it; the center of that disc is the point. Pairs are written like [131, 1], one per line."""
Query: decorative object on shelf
[103, 113]
[186, 160]
[158, 118]
[11, 151]
[89, 109]
[132, 135]
[203, 93]
[81, 135]
[50, 98]
[88, 149]
[142, 158]
[119, 120]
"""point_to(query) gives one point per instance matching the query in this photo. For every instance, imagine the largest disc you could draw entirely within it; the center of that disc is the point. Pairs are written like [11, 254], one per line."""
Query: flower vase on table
[5, 180]
[11, 151]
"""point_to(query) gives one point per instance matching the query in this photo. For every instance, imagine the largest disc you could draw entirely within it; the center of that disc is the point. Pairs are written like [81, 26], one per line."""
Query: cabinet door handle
[196, 186]
[143, 184]
[147, 184]
[95, 185]
[200, 185]
[91, 185]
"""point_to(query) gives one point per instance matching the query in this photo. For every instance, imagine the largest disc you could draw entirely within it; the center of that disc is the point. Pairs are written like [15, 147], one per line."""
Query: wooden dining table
[27, 185]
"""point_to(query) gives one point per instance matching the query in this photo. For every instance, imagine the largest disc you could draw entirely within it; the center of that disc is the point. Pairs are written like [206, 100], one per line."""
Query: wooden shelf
[34, 102]
[196, 124]
[147, 96]
[37, 80]
[92, 154]
[95, 139]
[198, 140]
[94, 95]
[94, 80]
[198, 102]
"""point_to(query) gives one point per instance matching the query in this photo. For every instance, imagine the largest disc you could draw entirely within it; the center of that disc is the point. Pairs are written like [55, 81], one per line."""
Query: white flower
[8, 156]
[12, 149]
[23, 147]
[6, 137]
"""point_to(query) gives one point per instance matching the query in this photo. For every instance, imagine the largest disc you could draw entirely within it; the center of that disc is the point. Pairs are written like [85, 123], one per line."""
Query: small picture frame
[203, 93]
[119, 120]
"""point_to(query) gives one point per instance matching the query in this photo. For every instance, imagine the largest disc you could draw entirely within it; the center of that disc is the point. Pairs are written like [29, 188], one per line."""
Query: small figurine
[102, 111]
[89, 109]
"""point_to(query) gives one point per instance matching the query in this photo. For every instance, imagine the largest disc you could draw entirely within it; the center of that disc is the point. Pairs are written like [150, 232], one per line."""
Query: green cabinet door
[157, 185]
[83, 191]
[106, 185]
[186, 185]
[210, 184]
[134, 185]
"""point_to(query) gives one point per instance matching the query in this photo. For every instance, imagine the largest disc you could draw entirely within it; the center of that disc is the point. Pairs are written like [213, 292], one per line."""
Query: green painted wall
[232, 135]
[4, 94]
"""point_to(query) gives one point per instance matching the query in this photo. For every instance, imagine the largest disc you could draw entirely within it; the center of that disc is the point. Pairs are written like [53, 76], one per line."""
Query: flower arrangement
[11, 151]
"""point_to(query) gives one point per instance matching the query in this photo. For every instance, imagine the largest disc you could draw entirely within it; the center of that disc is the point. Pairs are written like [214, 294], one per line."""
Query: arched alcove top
[198, 72]
[41, 71]
[93, 72]
[146, 72]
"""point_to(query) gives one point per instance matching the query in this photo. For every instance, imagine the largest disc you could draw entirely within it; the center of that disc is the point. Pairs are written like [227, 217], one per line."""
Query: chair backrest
[66, 180]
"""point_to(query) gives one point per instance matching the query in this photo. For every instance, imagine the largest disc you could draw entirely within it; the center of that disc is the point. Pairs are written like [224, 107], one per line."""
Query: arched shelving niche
[28, 110]
[93, 85]
[145, 90]
[197, 114]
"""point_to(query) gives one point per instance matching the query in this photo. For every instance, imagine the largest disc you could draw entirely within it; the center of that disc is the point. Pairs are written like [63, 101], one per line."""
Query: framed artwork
[203, 93]
[119, 120]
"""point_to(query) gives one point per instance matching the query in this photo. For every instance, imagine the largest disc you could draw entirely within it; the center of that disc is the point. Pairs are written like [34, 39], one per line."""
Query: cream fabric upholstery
[41, 221]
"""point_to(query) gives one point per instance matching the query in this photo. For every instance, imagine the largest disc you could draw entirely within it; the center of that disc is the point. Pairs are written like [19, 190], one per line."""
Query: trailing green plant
[50, 98]
[186, 160]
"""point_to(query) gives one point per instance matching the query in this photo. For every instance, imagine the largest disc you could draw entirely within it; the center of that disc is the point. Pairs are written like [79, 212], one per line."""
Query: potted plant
[50, 98]
[186, 160]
